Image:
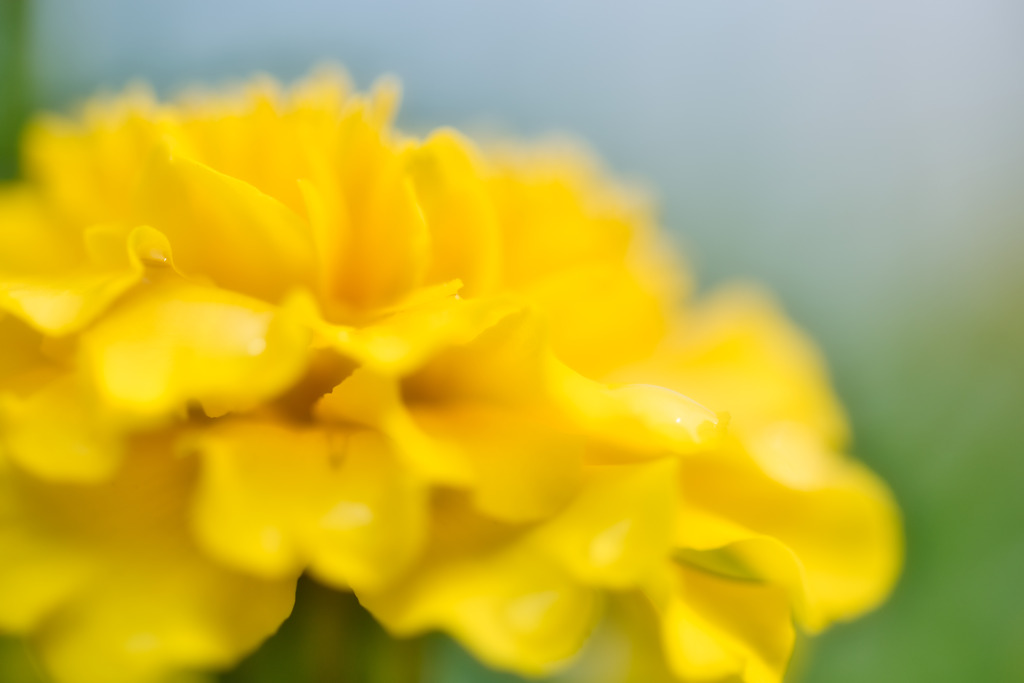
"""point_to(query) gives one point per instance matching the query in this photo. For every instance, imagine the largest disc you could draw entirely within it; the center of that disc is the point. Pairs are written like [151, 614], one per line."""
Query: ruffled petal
[23, 365]
[556, 213]
[715, 627]
[464, 237]
[402, 341]
[61, 432]
[122, 593]
[33, 240]
[64, 302]
[89, 166]
[510, 607]
[834, 542]
[373, 400]
[273, 500]
[39, 570]
[369, 227]
[619, 528]
[522, 467]
[59, 305]
[605, 302]
[173, 342]
[737, 353]
[224, 229]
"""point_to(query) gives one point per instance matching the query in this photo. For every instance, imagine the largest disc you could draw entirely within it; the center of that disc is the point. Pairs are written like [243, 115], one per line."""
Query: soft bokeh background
[865, 160]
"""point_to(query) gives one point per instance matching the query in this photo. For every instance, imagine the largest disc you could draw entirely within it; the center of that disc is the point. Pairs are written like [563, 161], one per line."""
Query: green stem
[330, 638]
[14, 82]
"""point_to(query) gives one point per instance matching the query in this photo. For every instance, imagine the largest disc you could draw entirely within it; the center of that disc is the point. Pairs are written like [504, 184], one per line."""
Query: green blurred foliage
[936, 396]
[14, 96]
[331, 639]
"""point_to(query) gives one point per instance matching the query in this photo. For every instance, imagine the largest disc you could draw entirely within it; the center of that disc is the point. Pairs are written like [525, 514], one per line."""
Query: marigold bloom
[260, 333]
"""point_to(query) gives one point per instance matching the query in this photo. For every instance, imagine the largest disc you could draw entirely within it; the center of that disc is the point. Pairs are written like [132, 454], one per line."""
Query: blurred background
[864, 160]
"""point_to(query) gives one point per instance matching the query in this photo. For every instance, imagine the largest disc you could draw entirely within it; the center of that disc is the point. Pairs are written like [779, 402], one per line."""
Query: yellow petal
[511, 608]
[601, 316]
[39, 572]
[625, 647]
[637, 420]
[370, 399]
[522, 467]
[21, 355]
[404, 340]
[368, 222]
[225, 229]
[556, 213]
[60, 432]
[173, 342]
[715, 627]
[273, 500]
[620, 526]
[837, 542]
[737, 353]
[110, 584]
[465, 242]
[89, 167]
[61, 303]
[32, 238]
[508, 363]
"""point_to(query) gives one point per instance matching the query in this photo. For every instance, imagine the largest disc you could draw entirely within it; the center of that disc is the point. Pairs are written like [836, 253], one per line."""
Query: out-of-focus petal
[366, 219]
[273, 500]
[110, 596]
[834, 542]
[64, 302]
[173, 342]
[521, 467]
[619, 528]
[737, 353]
[60, 431]
[464, 236]
[225, 229]
[373, 400]
[33, 240]
[510, 607]
[715, 627]
[601, 317]
[402, 341]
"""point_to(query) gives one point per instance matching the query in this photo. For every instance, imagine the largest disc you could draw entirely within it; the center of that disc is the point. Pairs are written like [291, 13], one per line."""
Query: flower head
[252, 334]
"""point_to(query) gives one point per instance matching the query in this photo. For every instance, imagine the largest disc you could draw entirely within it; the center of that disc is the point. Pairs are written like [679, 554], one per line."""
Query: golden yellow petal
[464, 237]
[737, 353]
[619, 528]
[522, 466]
[834, 542]
[401, 342]
[714, 627]
[61, 303]
[89, 166]
[600, 317]
[224, 229]
[511, 608]
[273, 500]
[172, 342]
[373, 232]
[374, 400]
[61, 432]
[33, 240]
[112, 588]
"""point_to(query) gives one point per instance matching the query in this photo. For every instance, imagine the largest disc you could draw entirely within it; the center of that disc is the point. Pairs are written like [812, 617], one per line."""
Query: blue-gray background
[863, 159]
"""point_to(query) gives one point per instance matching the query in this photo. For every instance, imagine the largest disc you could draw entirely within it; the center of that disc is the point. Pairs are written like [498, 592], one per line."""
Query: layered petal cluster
[256, 333]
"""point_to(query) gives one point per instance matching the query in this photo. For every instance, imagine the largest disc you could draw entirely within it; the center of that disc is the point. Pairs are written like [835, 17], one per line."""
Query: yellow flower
[252, 334]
